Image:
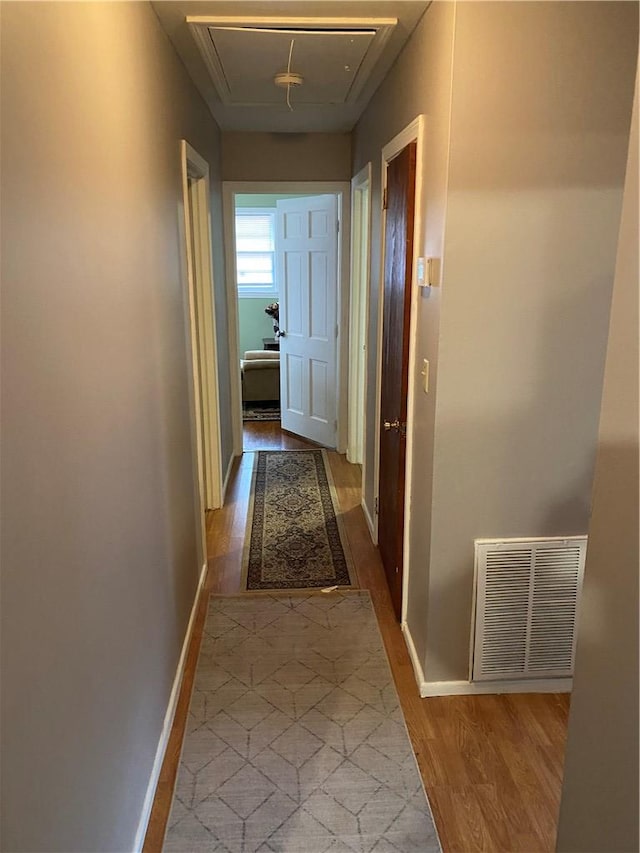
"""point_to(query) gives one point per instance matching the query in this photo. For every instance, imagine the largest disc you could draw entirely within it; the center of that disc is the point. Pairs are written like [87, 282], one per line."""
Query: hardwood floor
[491, 765]
[267, 435]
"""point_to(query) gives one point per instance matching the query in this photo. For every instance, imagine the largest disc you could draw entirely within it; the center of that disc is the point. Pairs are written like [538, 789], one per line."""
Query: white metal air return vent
[526, 599]
[335, 56]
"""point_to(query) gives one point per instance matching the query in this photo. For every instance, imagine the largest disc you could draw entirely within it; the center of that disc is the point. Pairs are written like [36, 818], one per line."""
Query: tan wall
[286, 156]
[599, 808]
[537, 161]
[420, 82]
[539, 101]
[98, 547]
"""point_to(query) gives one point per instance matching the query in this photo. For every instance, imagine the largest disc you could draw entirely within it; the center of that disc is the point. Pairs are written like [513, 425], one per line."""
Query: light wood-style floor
[491, 765]
[268, 435]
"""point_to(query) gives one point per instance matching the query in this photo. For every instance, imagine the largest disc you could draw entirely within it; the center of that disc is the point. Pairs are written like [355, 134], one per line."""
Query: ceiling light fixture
[288, 78]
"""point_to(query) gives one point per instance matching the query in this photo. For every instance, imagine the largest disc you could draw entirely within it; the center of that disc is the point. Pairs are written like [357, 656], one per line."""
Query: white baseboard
[368, 518]
[413, 654]
[471, 688]
[227, 477]
[168, 723]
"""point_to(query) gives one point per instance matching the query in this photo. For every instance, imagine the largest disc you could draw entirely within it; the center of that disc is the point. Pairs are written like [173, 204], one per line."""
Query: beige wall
[537, 161]
[599, 808]
[286, 156]
[529, 203]
[98, 547]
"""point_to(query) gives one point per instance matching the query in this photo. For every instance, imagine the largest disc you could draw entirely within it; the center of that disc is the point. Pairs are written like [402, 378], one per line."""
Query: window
[255, 252]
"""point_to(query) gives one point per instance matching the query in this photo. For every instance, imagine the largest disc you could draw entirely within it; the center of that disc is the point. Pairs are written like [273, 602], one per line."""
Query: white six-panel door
[306, 251]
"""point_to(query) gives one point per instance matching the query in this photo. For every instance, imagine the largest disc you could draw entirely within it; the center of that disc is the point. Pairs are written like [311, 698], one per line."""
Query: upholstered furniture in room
[260, 370]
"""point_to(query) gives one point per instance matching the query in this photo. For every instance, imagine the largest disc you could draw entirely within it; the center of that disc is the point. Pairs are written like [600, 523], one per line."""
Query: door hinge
[384, 199]
[338, 225]
[376, 505]
[337, 329]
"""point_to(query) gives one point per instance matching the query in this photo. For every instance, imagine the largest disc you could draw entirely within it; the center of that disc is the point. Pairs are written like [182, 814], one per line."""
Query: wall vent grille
[527, 593]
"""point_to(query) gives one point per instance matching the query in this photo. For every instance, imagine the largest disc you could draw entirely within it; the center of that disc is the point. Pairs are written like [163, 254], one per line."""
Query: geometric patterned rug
[295, 739]
[296, 539]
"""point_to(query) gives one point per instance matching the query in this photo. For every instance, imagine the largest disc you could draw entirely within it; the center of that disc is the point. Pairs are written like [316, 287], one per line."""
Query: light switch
[425, 375]
[424, 274]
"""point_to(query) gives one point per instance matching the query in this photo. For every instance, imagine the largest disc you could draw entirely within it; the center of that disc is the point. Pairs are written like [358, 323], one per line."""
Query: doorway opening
[287, 299]
[203, 362]
[402, 236]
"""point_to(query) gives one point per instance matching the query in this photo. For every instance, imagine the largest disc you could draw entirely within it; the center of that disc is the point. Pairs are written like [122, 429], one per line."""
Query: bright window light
[255, 252]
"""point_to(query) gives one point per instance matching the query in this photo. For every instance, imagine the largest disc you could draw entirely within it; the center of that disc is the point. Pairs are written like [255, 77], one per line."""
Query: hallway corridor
[128, 131]
[267, 435]
[491, 765]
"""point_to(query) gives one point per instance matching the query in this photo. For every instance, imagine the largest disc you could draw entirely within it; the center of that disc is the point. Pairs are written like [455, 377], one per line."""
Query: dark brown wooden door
[395, 362]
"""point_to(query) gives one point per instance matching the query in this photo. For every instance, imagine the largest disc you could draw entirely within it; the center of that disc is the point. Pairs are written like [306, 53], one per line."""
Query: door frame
[413, 132]
[201, 334]
[359, 315]
[341, 189]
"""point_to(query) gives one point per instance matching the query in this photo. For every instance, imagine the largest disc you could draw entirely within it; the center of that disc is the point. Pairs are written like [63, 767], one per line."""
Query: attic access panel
[328, 62]
[334, 56]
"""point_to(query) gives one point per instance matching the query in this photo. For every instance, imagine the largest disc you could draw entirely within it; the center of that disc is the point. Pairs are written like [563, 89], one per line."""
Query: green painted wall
[265, 199]
[254, 323]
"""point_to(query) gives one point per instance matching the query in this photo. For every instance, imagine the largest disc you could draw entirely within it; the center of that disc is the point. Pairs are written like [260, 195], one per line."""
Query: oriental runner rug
[251, 412]
[295, 739]
[295, 538]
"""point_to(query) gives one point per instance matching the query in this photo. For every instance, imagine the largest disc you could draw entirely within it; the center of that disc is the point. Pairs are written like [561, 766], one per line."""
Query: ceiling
[233, 49]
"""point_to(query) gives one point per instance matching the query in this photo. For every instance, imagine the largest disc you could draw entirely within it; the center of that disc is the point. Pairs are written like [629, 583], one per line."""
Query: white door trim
[203, 367]
[358, 315]
[414, 132]
[342, 189]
